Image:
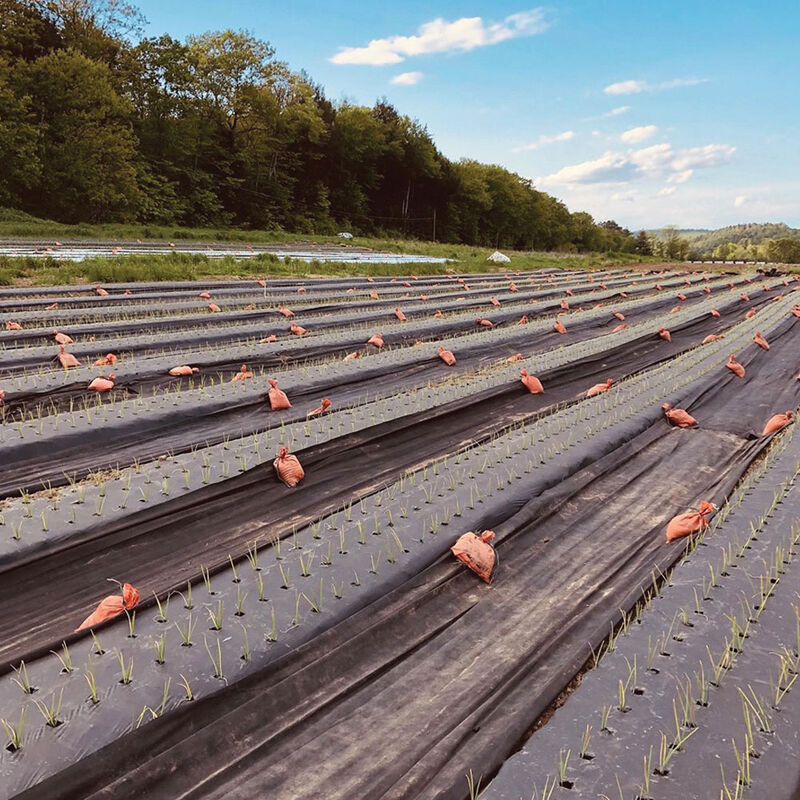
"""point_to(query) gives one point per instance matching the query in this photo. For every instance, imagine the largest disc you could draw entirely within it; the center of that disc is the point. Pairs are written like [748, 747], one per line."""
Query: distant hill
[703, 241]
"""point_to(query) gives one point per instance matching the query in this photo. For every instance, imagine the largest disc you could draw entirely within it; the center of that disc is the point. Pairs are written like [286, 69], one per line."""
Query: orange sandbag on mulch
[324, 405]
[761, 341]
[679, 417]
[278, 400]
[558, 327]
[447, 356]
[531, 382]
[735, 367]
[477, 553]
[183, 370]
[712, 337]
[599, 388]
[689, 522]
[288, 468]
[110, 606]
[665, 334]
[376, 340]
[777, 422]
[243, 374]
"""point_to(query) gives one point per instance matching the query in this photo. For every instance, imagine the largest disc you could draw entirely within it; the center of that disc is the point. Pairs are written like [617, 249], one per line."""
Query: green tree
[87, 150]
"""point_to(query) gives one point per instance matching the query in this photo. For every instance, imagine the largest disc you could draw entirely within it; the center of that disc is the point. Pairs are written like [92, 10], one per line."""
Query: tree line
[99, 124]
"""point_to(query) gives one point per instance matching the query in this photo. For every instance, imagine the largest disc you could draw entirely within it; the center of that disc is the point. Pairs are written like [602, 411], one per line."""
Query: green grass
[181, 266]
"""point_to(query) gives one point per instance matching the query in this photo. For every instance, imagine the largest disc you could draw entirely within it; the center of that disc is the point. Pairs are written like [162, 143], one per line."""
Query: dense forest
[99, 124]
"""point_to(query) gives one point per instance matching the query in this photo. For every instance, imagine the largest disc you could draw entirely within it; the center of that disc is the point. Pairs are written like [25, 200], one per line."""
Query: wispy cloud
[407, 78]
[615, 112]
[655, 161]
[441, 36]
[739, 200]
[637, 86]
[564, 136]
[640, 134]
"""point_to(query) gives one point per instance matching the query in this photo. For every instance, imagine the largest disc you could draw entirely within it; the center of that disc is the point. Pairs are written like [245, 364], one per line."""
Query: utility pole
[434, 224]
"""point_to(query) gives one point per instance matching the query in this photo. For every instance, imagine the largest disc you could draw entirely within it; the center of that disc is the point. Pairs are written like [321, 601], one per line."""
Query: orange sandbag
[278, 400]
[745, 298]
[214, 308]
[570, 292]
[183, 370]
[659, 287]
[487, 323]
[689, 522]
[103, 384]
[66, 359]
[243, 374]
[447, 356]
[620, 327]
[373, 295]
[477, 553]
[51, 307]
[205, 295]
[712, 337]
[262, 283]
[512, 287]
[297, 330]
[288, 468]
[750, 313]
[101, 291]
[111, 606]
[761, 341]
[665, 334]
[437, 314]
[523, 320]
[62, 338]
[777, 422]
[681, 296]
[565, 305]
[796, 310]
[400, 315]
[515, 357]
[531, 382]
[107, 360]
[376, 340]
[424, 298]
[271, 338]
[494, 301]
[674, 309]
[325, 404]
[620, 316]
[599, 388]
[707, 289]
[679, 417]
[285, 311]
[13, 326]
[714, 312]
[735, 367]
[558, 327]
[352, 356]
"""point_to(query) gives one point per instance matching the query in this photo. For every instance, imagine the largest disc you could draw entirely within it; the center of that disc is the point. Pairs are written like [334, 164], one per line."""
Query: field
[322, 640]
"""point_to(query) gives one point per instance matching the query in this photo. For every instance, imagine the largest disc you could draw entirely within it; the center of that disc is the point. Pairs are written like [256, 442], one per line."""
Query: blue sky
[647, 112]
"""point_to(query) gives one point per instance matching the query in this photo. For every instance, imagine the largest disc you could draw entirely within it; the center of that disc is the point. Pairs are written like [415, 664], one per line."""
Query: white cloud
[564, 136]
[625, 87]
[609, 168]
[681, 177]
[655, 161]
[711, 155]
[667, 191]
[640, 134]
[615, 112]
[441, 36]
[636, 87]
[407, 78]
[623, 197]
[740, 200]
[655, 158]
